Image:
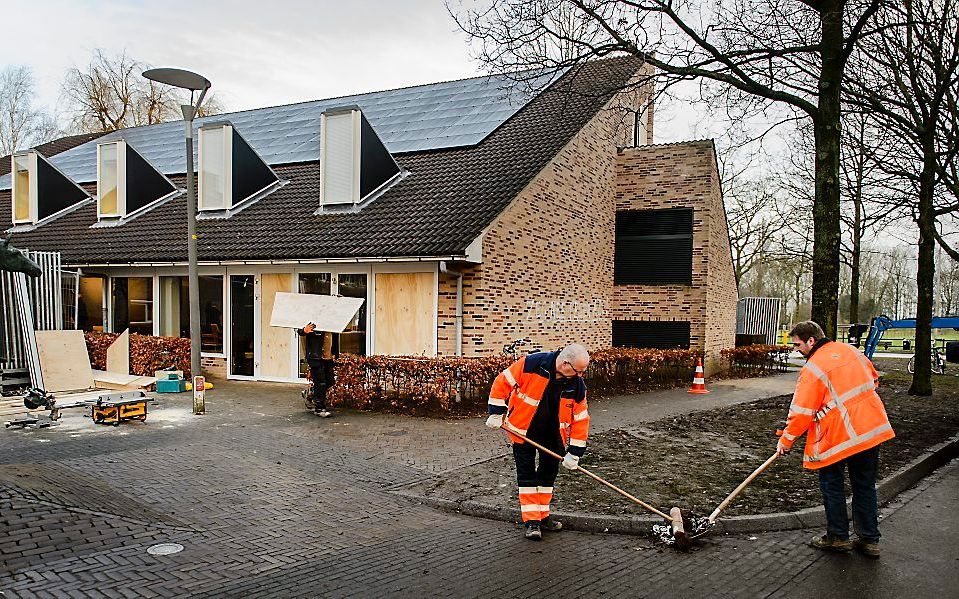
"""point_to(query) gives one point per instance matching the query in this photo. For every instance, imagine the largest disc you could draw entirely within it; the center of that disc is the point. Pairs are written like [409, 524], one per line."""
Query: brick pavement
[269, 501]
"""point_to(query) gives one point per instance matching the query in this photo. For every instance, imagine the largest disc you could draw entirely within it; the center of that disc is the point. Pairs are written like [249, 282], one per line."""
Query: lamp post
[194, 83]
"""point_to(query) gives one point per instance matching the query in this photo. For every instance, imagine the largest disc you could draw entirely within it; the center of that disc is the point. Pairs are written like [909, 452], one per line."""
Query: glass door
[353, 339]
[241, 325]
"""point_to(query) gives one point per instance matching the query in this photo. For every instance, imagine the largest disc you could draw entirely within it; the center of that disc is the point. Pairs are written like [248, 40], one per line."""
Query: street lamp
[194, 83]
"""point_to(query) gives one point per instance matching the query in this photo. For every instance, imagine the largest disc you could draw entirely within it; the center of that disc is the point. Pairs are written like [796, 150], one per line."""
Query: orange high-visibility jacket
[518, 390]
[836, 397]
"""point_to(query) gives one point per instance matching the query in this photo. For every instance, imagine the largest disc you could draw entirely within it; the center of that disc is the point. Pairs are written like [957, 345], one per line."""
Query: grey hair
[574, 353]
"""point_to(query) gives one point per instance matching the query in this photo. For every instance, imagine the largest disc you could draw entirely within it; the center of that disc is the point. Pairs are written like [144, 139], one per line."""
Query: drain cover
[165, 549]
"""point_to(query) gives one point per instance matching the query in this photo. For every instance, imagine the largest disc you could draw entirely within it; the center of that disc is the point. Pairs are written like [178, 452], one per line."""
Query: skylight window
[126, 182]
[231, 172]
[40, 191]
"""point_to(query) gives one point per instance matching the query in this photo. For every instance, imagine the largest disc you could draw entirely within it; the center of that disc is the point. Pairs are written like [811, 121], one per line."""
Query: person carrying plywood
[320, 355]
[543, 397]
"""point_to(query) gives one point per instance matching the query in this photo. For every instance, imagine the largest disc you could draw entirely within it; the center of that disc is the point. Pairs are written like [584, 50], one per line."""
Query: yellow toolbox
[115, 408]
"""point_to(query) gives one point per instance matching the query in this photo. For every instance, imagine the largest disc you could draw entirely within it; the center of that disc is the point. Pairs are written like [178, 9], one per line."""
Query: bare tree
[110, 94]
[908, 78]
[792, 52]
[753, 223]
[21, 124]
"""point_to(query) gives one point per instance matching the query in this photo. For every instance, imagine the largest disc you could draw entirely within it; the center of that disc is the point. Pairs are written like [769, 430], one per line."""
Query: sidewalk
[624, 411]
[920, 550]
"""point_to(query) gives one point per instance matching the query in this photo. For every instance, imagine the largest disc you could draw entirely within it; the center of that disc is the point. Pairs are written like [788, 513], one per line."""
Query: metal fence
[45, 298]
[758, 316]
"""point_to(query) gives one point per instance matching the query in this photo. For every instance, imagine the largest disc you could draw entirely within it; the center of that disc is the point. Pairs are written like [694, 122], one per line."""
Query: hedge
[451, 386]
[147, 353]
[756, 360]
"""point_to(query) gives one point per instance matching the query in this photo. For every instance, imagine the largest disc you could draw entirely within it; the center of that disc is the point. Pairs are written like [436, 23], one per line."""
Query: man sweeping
[543, 397]
[836, 396]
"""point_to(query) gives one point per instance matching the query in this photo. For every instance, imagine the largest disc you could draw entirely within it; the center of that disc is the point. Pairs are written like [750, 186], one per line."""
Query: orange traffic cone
[699, 383]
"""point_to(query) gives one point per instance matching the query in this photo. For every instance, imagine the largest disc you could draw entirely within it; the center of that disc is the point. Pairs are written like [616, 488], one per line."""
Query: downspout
[459, 305]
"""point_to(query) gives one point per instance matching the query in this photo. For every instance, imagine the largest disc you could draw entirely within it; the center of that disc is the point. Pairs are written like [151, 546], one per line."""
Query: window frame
[354, 115]
[32, 203]
[226, 130]
[121, 148]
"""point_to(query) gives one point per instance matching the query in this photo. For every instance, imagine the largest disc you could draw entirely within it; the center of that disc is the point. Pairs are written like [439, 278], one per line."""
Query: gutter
[462, 259]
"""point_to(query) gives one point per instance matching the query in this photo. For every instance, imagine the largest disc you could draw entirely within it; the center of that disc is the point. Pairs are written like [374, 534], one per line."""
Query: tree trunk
[826, 233]
[926, 272]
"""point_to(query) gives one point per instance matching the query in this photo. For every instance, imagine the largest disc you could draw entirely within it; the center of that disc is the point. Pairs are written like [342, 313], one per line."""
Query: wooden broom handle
[601, 481]
[742, 485]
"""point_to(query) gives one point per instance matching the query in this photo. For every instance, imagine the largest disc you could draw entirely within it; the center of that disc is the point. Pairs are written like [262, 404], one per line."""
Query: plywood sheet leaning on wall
[405, 314]
[118, 354]
[275, 343]
[64, 360]
[328, 312]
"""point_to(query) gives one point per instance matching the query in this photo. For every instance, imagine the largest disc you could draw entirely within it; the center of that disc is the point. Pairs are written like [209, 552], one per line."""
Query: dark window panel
[651, 334]
[654, 247]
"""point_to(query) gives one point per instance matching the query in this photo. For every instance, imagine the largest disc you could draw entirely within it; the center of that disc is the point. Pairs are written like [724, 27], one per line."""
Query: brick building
[467, 214]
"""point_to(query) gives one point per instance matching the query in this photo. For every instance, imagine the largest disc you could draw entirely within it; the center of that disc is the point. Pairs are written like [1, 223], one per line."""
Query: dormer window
[24, 191]
[354, 163]
[231, 172]
[40, 191]
[126, 182]
[108, 181]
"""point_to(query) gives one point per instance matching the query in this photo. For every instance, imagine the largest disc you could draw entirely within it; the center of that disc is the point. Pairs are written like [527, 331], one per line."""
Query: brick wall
[675, 176]
[547, 268]
[547, 271]
[214, 368]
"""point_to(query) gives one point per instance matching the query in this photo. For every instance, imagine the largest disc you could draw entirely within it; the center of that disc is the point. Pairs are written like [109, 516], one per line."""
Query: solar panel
[425, 117]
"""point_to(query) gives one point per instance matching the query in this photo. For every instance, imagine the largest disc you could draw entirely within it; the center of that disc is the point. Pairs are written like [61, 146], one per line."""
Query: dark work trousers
[528, 474]
[322, 373]
[865, 511]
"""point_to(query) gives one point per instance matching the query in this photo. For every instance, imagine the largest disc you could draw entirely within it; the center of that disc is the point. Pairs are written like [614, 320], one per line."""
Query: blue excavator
[881, 324]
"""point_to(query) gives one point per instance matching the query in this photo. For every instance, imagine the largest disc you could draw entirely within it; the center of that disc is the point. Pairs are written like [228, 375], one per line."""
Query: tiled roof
[52, 148]
[447, 200]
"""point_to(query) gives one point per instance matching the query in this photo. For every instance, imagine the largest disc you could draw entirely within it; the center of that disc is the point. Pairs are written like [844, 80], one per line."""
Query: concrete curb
[888, 488]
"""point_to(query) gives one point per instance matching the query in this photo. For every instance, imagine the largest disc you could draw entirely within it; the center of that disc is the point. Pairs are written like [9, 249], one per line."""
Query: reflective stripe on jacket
[518, 390]
[836, 401]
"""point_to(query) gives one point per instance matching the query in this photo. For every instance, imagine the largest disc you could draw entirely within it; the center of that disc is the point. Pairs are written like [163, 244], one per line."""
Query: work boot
[827, 543]
[866, 548]
[532, 531]
[550, 525]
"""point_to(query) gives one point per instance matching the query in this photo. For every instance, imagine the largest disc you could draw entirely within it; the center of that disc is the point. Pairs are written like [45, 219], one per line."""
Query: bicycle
[938, 363]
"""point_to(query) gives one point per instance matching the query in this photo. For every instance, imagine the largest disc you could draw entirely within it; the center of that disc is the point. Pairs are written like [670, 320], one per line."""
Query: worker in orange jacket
[836, 396]
[543, 397]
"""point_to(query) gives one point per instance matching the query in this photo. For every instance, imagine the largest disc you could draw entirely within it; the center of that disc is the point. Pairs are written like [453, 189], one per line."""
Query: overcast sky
[257, 53]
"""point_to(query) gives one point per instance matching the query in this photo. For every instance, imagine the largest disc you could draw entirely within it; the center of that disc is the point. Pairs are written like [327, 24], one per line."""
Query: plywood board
[328, 312]
[118, 354]
[113, 380]
[405, 319]
[275, 342]
[64, 360]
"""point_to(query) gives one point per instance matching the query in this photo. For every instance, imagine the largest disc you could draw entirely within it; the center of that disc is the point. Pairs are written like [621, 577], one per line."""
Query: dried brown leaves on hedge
[753, 360]
[147, 353]
[459, 386]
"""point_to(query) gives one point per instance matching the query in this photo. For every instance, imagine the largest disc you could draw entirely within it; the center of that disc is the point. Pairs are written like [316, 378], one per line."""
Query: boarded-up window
[651, 334]
[654, 247]
[405, 310]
